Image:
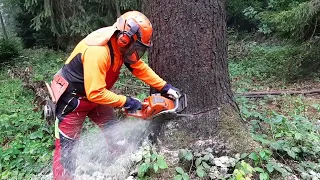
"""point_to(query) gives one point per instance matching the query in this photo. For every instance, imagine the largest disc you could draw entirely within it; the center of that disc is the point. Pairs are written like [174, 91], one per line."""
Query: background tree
[4, 31]
[61, 23]
[190, 51]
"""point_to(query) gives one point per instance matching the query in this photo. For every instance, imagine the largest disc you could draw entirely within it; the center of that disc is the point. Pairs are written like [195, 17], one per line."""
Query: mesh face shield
[135, 52]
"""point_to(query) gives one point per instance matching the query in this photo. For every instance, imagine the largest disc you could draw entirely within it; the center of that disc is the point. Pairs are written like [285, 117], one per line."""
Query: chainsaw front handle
[180, 104]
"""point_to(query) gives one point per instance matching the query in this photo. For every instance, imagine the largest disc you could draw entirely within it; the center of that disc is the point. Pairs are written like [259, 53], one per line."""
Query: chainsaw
[157, 107]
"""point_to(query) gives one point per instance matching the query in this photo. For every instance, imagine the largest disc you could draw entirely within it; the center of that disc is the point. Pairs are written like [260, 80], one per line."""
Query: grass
[286, 125]
[26, 141]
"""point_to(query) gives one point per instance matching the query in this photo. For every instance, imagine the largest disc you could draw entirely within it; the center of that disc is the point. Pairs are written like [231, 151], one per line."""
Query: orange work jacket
[94, 66]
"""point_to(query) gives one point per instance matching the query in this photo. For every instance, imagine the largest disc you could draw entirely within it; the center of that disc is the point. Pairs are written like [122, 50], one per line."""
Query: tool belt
[57, 87]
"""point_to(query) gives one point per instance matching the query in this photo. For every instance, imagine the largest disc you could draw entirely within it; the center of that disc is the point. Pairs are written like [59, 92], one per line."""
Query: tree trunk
[117, 7]
[3, 27]
[190, 52]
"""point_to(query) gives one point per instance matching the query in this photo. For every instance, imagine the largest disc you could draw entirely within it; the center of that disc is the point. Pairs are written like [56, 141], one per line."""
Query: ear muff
[123, 40]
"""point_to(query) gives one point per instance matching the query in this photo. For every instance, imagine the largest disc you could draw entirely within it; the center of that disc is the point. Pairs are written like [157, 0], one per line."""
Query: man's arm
[96, 62]
[142, 71]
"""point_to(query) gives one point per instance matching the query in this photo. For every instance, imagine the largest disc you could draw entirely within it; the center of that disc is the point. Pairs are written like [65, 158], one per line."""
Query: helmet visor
[135, 52]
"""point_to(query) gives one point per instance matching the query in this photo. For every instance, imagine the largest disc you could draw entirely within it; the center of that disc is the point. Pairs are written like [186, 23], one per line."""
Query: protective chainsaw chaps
[157, 107]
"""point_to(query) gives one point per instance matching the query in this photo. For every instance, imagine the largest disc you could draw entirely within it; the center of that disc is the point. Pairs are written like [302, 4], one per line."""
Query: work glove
[171, 91]
[132, 104]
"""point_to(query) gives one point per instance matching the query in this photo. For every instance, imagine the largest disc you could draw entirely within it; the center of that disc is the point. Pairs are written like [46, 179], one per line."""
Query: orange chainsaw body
[153, 105]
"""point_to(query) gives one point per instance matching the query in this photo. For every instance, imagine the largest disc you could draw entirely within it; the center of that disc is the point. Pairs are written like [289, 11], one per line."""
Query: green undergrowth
[44, 63]
[286, 126]
[264, 61]
[26, 141]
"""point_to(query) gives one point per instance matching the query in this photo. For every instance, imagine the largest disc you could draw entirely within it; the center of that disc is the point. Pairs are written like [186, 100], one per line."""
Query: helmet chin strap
[123, 51]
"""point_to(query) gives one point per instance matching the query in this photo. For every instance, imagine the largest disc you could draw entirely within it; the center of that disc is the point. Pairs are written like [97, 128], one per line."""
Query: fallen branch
[266, 93]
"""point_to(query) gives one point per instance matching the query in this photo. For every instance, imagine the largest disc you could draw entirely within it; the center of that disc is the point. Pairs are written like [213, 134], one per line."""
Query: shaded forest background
[60, 24]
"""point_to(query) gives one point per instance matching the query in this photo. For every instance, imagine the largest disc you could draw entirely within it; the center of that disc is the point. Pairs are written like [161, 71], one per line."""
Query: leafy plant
[294, 21]
[203, 164]
[200, 161]
[260, 157]
[243, 171]
[149, 161]
[181, 174]
[297, 138]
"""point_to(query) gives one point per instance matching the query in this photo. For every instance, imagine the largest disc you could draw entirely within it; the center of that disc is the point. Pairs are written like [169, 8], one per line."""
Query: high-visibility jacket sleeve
[142, 71]
[96, 62]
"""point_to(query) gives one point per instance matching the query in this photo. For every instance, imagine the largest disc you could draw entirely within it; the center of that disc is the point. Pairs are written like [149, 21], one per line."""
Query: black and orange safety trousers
[71, 113]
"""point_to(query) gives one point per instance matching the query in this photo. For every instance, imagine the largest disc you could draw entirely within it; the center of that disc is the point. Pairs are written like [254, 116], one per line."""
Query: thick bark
[3, 27]
[190, 52]
[117, 7]
[190, 49]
